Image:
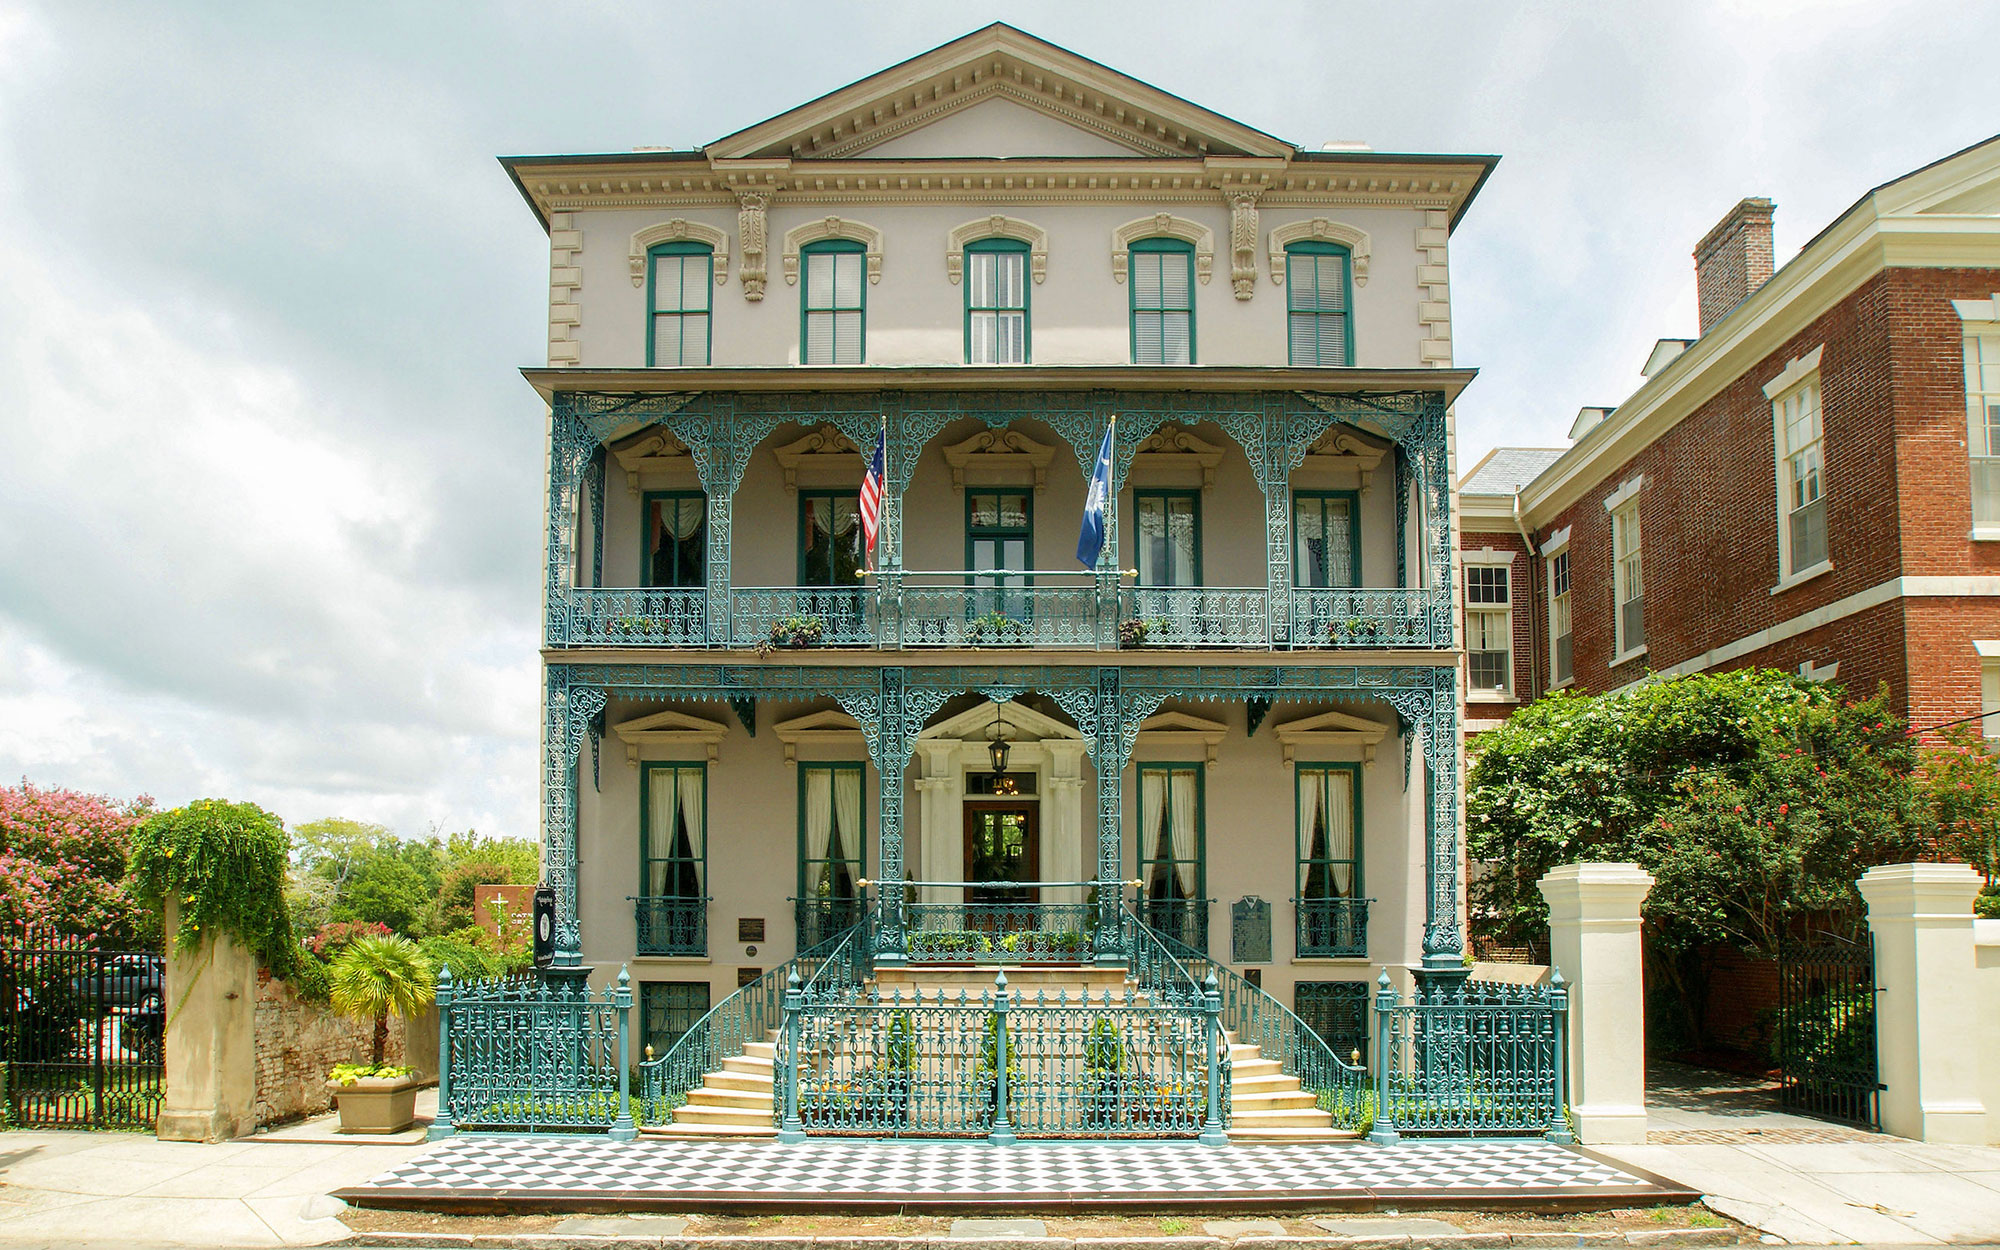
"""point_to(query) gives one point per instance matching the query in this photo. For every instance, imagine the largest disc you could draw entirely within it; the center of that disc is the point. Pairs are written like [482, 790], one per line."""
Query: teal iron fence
[1472, 1058]
[999, 1064]
[534, 1053]
[1826, 1026]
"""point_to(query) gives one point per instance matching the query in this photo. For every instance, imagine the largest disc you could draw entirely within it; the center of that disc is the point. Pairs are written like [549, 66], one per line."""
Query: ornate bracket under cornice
[677, 230]
[671, 729]
[999, 450]
[1346, 448]
[1325, 230]
[1163, 226]
[998, 227]
[655, 451]
[1172, 446]
[832, 228]
[751, 231]
[1243, 239]
[1331, 729]
[824, 447]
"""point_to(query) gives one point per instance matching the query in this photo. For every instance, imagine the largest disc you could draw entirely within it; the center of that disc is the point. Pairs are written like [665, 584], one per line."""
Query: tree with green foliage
[375, 977]
[1958, 791]
[1754, 797]
[222, 865]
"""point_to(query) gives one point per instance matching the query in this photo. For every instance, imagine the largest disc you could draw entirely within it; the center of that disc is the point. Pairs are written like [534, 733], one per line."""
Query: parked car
[136, 981]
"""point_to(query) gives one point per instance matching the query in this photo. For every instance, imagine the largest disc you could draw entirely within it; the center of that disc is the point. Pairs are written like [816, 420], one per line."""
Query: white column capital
[1596, 894]
[1929, 1009]
[1919, 891]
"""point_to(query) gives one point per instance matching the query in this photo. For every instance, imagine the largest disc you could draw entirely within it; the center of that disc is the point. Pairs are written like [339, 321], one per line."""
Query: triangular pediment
[1094, 110]
[1966, 183]
[1018, 723]
[830, 727]
[1331, 729]
[1171, 728]
[670, 729]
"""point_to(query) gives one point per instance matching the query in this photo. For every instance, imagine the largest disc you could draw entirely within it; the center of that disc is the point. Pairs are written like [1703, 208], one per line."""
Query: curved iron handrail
[1154, 966]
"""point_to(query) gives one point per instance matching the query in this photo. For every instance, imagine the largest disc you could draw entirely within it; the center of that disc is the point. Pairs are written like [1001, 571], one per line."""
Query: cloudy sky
[269, 483]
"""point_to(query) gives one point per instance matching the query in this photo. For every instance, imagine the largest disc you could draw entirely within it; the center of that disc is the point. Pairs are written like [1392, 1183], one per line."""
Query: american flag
[871, 490]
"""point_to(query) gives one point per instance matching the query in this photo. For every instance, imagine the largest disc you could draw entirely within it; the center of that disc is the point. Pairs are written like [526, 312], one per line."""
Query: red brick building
[1813, 483]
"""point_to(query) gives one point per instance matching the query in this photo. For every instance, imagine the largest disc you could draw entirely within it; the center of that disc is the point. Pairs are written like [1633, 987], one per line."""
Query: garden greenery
[223, 866]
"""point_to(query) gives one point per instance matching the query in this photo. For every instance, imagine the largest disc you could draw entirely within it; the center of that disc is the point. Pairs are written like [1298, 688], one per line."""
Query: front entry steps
[739, 1098]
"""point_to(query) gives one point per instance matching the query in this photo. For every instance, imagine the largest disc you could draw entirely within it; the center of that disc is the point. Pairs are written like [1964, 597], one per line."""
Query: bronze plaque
[1250, 931]
[749, 928]
[745, 976]
[1254, 976]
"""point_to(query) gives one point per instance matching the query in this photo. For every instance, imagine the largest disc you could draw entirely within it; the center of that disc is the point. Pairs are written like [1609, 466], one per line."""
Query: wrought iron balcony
[819, 919]
[999, 932]
[1183, 920]
[1332, 928]
[670, 925]
[912, 610]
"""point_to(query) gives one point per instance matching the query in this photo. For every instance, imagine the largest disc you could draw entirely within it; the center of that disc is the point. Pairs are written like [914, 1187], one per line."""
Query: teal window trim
[706, 312]
[1353, 498]
[991, 247]
[1025, 532]
[1305, 863]
[1167, 496]
[859, 858]
[646, 563]
[808, 255]
[1345, 313]
[1162, 248]
[1148, 861]
[646, 857]
[805, 502]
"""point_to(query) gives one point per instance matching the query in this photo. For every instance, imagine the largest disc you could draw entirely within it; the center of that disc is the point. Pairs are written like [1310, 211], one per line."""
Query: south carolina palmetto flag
[871, 490]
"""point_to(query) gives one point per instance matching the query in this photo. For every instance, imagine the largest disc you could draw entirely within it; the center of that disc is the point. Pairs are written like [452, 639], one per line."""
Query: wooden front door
[1001, 845]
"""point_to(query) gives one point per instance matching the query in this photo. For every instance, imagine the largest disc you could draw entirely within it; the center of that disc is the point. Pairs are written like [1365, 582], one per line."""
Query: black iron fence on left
[82, 1032]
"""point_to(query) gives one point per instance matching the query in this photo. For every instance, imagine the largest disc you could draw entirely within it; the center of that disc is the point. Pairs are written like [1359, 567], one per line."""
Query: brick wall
[298, 1044]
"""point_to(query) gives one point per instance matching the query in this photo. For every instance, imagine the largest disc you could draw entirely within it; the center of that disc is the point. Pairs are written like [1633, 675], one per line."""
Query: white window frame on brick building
[1798, 440]
[1489, 620]
[1982, 412]
[1989, 685]
[1628, 576]
[1562, 619]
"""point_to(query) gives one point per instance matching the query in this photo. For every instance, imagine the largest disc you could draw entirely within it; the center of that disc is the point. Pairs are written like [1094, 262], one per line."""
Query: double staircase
[739, 1098]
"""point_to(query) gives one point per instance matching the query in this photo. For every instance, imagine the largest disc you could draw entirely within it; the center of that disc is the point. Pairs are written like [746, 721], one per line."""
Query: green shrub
[223, 866]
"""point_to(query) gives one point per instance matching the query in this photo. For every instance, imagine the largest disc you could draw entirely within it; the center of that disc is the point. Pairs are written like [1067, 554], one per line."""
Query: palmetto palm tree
[376, 976]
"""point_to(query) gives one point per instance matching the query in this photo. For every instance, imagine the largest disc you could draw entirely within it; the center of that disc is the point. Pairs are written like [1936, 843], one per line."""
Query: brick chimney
[1734, 259]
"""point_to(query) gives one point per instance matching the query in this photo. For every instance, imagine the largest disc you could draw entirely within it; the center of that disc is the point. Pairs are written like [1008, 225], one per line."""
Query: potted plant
[1354, 629]
[375, 977]
[994, 626]
[1133, 633]
[798, 631]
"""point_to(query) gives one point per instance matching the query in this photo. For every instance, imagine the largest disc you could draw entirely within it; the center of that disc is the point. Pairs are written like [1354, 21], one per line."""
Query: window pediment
[654, 452]
[680, 229]
[1175, 447]
[996, 454]
[1331, 729]
[1321, 230]
[824, 448]
[821, 229]
[1164, 226]
[1346, 448]
[829, 728]
[670, 729]
[997, 227]
[1183, 729]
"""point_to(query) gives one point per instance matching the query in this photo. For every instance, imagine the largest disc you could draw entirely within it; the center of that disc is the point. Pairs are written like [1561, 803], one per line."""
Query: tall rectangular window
[676, 539]
[679, 280]
[831, 840]
[1318, 297]
[830, 539]
[1801, 479]
[1562, 665]
[1982, 415]
[996, 302]
[833, 303]
[1326, 540]
[673, 858]
[667, 1010]
[1172, 849]
[1332, 916]
[1169, 537]
[999, 535]
[1629, 587]
[1161, 275]
[1489, 627]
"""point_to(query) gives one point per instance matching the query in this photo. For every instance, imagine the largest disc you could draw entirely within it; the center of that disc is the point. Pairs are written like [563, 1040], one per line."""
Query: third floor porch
[1237, 517]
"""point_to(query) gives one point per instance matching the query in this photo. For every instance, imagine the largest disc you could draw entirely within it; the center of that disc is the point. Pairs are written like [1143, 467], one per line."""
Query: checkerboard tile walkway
[688, 1174]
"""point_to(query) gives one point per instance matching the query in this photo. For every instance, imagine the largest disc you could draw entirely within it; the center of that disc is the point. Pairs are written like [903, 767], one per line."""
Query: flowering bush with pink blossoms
[62, 865]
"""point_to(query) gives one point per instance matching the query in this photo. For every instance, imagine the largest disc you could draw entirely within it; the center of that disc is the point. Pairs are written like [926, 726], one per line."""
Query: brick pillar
[1594, 940]
[1928, 1046]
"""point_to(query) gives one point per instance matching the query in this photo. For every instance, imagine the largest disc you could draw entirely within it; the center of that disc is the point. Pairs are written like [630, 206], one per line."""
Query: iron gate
[1826, 1027]
[82, 1033]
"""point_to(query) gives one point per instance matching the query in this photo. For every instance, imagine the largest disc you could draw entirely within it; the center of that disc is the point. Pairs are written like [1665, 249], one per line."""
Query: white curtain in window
[1184, 813]
[691, 786]
[819, 829]
[662, 802]
[1180, 541]
[846, 817]
[1153, 810]
[1312, 824]
[1339, 800]
[682, 517]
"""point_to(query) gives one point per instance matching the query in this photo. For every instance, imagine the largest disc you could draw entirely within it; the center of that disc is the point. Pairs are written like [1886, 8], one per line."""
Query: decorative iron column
[891, 717]
[570, 446]
[1444, 938]
[567, 709]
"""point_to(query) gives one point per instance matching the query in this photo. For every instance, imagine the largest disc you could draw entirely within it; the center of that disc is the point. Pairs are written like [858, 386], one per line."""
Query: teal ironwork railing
[1000, 1064]
[534, 1053]
[748, 1015]
[669, 925]
[998, 932]
[1185, 920]
[815, 920]
[639, 617]
[1198, 616]
[1370, 617]
[802, 616]
[1254, 1018]
[1005, 615]
[1331, 928]
[1474, 1058]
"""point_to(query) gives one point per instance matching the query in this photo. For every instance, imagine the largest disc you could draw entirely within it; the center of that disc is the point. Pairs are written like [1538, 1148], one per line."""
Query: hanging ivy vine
[223, 866]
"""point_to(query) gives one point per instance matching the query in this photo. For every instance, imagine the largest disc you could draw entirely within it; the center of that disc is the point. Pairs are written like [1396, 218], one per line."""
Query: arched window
[833, 303]
[996, 302]
[1319, 300]
[1162, 282]
[679, 279]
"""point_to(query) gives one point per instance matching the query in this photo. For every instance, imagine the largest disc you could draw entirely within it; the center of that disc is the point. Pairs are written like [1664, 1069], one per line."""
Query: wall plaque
[1250, 931]
[745, 976]
[749, 928]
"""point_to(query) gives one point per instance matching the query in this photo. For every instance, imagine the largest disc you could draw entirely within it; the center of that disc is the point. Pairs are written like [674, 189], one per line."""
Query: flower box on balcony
[798, 632]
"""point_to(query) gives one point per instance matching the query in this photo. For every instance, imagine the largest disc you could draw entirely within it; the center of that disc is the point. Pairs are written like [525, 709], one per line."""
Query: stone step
[695, 1129]
[1296, 1117]
[1265, 1083]
[1268, 1134]
[695, 1113]
[1256, 1067]
[710, 1096]
[761, 1050]
[750, 1063]
[730, 1078]
[1272, 1100]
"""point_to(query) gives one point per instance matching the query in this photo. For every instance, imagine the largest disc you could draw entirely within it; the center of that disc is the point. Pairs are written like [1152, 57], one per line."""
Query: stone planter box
[377, 1104]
